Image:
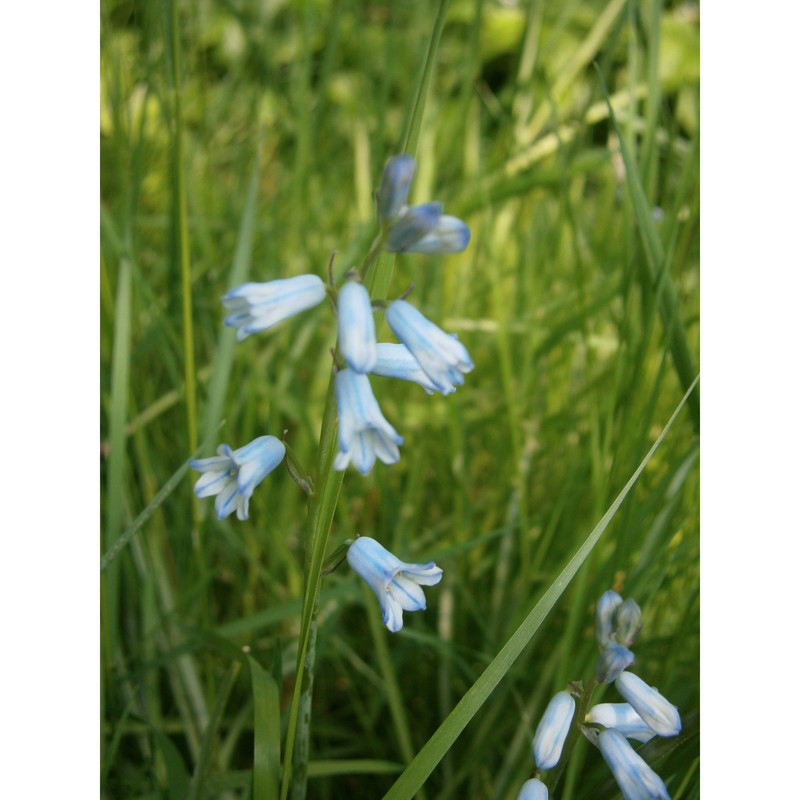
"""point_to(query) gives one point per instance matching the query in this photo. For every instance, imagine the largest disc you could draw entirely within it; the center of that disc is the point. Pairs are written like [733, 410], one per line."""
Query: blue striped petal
[396, 584]
[357, 327]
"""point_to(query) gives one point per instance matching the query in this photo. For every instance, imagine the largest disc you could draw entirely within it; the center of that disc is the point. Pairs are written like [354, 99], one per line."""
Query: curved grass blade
[223, 361]
[437, 746]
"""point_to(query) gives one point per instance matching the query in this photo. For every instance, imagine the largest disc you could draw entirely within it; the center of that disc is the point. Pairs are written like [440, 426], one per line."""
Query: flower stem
[374, 251]
[323, 505]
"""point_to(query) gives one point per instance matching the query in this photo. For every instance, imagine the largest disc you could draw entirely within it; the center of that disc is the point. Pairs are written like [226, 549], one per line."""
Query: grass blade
[223, 361]
[166, 490]
[657, 267]
[203, 766]
[267, 723]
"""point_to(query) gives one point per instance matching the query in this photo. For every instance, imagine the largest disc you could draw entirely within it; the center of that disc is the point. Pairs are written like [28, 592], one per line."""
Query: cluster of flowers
[645, 714]
[425, 355]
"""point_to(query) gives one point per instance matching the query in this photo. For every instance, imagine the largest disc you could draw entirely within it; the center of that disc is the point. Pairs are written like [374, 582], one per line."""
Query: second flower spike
[396, 583]
[357, 328]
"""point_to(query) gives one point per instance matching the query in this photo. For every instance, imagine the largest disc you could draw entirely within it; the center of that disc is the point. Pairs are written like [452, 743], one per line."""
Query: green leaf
[267, 726]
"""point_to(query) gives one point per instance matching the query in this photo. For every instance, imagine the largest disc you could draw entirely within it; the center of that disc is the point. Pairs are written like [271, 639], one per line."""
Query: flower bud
[357, 328]
[651, 706]
[392, 195]
[608, 603]
[633, 775]
[621, 717]
[611, 662]
[552, 730]
[629, 623]
[533, 789]
[449, 235]
[414, 223]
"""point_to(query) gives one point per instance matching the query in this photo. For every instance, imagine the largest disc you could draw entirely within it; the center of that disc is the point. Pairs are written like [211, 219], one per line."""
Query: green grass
[577, 300]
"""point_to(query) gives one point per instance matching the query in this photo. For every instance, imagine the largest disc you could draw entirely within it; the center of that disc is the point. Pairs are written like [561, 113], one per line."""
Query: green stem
[413, 122]
[323, 503]
[374, 251]
[182, 221]
[303, 737]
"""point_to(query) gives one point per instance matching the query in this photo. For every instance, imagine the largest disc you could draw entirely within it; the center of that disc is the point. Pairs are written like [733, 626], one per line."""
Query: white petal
[407, 593]
[226, 501]
[211, 483]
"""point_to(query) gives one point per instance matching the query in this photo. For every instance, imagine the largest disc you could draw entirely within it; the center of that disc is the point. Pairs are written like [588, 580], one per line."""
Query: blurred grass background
[242, 140]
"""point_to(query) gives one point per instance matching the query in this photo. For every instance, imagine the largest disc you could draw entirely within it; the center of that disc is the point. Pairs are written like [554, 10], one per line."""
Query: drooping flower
[412, 225]
[257, 306]
[232, 475]
[649, 704]
[393, 193]
[622, 717]
[604, 621]
[441, 356]
[364, 433]
[551, 733]
[612, 661]
[396, 361]
[357, 327]
[448, 235]
[396, 583]
[633, 775]
[533, 789]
